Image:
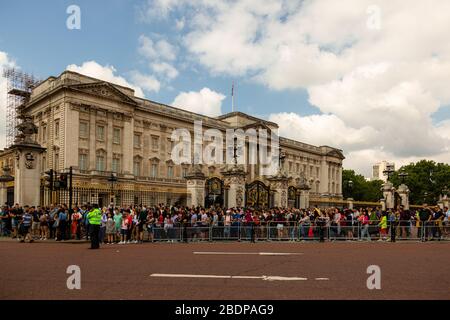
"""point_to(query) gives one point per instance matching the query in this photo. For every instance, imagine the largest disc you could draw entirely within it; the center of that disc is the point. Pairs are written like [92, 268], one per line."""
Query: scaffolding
[19, 86]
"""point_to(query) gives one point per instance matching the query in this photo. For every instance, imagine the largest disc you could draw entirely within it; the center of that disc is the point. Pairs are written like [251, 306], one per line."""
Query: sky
[370, 77]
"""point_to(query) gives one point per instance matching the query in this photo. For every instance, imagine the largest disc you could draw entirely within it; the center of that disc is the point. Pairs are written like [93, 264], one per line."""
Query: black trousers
[393, 232]
[94, 230]
[321, 234]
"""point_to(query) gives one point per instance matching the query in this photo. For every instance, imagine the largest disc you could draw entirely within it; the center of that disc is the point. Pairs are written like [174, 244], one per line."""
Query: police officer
[95, 218]
[321, 222]
[393, 224]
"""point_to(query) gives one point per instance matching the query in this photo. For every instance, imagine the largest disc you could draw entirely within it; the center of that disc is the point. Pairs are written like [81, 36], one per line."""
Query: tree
[362, 189]
[426, 179]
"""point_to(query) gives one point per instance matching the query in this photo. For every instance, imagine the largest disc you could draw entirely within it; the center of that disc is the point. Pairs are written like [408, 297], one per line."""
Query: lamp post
[112, 179]
[388, 172]
[403, 175]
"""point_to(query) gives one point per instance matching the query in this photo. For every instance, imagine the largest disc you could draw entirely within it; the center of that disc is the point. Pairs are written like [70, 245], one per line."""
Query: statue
[26, 130]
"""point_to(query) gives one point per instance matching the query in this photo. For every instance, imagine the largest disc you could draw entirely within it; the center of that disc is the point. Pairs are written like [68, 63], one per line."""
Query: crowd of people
[134, 224]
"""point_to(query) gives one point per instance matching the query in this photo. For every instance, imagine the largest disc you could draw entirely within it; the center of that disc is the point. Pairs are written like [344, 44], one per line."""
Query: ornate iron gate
[214, 193]
[293, 197]
[257, 195]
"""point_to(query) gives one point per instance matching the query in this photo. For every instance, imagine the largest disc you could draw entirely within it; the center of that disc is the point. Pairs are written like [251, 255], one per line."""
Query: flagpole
[232, 97]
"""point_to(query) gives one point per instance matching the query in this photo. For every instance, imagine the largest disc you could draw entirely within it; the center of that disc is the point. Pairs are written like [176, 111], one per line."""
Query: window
[56, 129]
[154, 170]
[44, 133]
[185, 171]
[169, 145]
[83, 129]
[116, 165]
[116, 136]
[290, 166]
[170, 172]
[82, 161]
[100, 133]
[155, 143]
[137, 168]
[100, 162]
[137, 140]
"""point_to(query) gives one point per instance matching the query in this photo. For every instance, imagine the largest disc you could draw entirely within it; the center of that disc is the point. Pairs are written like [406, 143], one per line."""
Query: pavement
[224, 271]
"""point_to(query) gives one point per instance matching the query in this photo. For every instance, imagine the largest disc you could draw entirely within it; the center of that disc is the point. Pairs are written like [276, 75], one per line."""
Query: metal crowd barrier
[295, 231]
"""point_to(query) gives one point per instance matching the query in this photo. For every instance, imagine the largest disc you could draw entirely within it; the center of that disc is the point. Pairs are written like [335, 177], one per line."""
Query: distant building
[378, 168]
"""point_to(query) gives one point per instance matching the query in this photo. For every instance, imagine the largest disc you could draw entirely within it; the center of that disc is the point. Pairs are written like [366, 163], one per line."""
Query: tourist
[62, 225]
[118, 223]
[35, 225]
[110, 227]
[364, 221]
[383, 227]
[124, 227]
[25, 225]
[141, 220]
[102, 232]
[43, 222]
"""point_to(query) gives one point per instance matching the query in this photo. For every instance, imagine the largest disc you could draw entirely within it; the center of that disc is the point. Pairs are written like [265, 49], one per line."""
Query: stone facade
[97, 127]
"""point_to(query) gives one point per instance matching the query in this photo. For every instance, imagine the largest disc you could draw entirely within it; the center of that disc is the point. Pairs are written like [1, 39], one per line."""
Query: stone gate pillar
[279, 184]
[235, 180]
[27, 176]
[304, 199]
[195, 182]
[388, 194]
[403, 191]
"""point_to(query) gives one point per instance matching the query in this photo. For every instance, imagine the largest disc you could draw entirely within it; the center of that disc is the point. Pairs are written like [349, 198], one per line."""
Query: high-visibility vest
[95, 216]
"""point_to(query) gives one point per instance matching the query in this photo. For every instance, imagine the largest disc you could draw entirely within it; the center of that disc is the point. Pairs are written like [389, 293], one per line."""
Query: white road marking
[278, 278]
[265, 278]
[167, 275]
[249, 253]
[320, 279]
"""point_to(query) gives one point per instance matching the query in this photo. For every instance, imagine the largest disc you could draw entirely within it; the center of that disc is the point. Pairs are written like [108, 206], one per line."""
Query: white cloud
[157, 9]
[179, 24]
[106, 73]
[205, 101]
[156, 49]
[377, 89]
[164, 69]
[146, 82]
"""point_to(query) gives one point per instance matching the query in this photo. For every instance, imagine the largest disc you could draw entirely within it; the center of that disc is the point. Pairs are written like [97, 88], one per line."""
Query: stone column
[304, 199]
[383, 204]
[235, 180]
[196, 187]
[323, 186]
[403, 191]
[27, 178]
[279, 184]
[350, 203]
[3, 193]
[388, 193]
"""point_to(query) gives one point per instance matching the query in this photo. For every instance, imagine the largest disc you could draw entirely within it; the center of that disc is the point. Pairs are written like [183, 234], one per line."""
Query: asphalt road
[408, 270]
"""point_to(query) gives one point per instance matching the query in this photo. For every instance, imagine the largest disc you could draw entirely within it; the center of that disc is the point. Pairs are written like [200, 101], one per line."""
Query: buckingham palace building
[118, 148]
